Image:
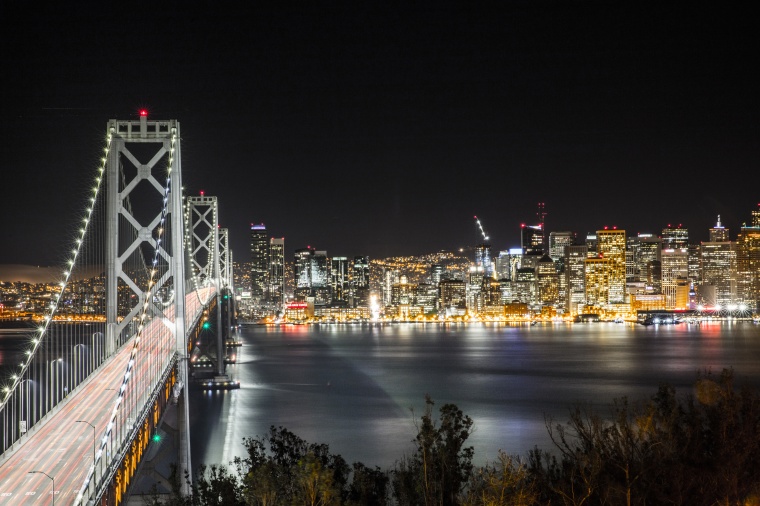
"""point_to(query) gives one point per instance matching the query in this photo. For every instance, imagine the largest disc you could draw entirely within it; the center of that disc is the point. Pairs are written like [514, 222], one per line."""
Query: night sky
[382, 130]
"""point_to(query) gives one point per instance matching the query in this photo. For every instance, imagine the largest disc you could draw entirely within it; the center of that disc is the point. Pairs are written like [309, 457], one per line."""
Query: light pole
[93, 439]
[46, 474]
[52, 381]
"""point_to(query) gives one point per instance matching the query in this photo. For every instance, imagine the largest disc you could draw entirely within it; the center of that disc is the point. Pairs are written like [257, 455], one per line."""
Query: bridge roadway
[63, 448]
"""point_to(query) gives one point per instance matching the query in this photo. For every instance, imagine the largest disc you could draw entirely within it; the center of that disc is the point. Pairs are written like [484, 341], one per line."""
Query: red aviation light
[202, 193]
[143, 113]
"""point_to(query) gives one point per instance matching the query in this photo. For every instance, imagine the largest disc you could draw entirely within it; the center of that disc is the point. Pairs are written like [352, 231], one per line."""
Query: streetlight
[46, 474]
[53, 381]
[93, 439]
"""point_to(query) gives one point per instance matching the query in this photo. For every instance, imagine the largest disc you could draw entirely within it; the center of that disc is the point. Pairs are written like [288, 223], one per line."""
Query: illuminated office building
[748, 263]
[302, 273]
[320, 278]
[675, 275]
[276, 291]
[597, 275]
[532, 239]
[339, 280]
[483, 259]
[259, 263]
[675, 237]
[718, 269]
[557, 243]
[643, 251]
[360, 282]
[575, 276]
[611, 245]
[548, 282]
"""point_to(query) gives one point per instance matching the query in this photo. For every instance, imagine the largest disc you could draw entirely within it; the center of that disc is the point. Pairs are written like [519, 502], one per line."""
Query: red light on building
[143, 112]
[297, 305]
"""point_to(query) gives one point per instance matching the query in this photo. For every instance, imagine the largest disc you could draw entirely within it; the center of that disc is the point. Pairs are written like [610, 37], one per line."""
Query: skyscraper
[360, 282]
[302, 273]
[259, 263]
[675, 237]
[611, 245]
[748, 263]
[339, 280]
[276, 291]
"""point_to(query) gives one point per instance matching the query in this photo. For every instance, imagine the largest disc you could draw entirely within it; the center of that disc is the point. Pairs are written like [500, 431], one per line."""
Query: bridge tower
[209, 258]
[144, 165]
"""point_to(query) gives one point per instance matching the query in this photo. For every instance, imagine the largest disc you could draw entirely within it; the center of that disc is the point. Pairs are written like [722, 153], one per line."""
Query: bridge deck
[63, 448]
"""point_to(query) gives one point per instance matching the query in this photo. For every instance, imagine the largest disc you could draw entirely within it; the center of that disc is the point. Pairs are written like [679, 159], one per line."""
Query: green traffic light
[206, 325]
[156, 437]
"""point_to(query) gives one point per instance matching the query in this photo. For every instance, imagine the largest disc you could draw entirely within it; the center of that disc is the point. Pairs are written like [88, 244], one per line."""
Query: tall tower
[719, 233]
[339, 280]
[276, 290]
[259, 263]
[302, 268]
[611, 245]
[360, 282]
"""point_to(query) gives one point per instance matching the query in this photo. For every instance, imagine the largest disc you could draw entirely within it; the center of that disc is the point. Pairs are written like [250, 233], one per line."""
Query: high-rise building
[675, 237]
[597, 275]
[339, 280]
[276, 291]
[360, 282]
[719, 233]
[575, 258]
[611, 245]
[748, 263]
[532, 239]
[259, 263]
[320, 278]
[675, 274]
[645, 255]
[302, 273]
[483, 259]
[718, 269]
[557, 243]
[548, 282]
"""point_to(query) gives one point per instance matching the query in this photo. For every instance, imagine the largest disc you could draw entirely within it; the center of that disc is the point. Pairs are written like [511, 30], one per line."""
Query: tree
[442, 465]
[504, 482]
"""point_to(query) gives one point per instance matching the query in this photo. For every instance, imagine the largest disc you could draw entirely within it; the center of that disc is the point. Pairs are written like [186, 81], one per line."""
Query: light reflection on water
[354, 387]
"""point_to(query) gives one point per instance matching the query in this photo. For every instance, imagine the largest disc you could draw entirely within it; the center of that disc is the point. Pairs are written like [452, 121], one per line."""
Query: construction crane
[485, 237]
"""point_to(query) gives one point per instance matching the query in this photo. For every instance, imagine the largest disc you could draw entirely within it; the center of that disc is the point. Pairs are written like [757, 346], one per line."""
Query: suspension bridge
[142, 310]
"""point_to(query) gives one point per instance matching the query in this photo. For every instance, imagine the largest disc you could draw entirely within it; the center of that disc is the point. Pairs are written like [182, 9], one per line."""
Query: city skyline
[369, 130]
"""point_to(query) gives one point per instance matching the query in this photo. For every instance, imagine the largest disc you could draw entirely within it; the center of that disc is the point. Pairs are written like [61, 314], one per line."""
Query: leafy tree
[442, 465]
[505, 482]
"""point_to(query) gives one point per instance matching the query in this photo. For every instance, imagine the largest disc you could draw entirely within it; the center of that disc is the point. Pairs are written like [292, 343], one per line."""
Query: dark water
[353, 387]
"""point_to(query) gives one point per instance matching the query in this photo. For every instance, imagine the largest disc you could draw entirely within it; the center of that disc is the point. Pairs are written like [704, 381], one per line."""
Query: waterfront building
[259, 263]
[548, 282]
[597, 275]
[611, 245]
[748, 263]
[718, 285]
[641, 251]
[453, 297]
[276, 290]
[360, 282]
[302, 266]
[524, 287]
[675, 276]
[320, 278]
[575, 275]
[339, 280]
